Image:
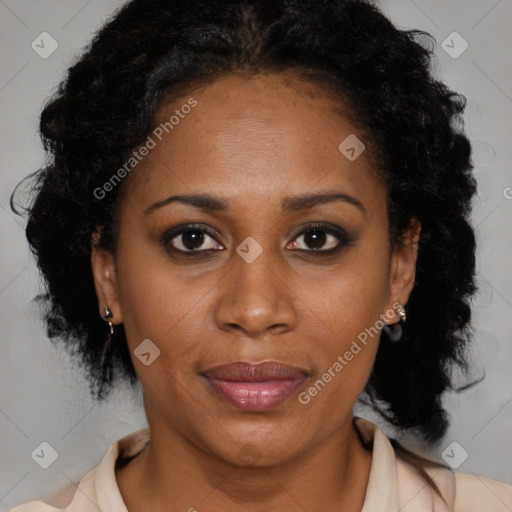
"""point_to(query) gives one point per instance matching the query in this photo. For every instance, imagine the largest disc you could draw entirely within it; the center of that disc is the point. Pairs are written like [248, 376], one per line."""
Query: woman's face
[249, 281]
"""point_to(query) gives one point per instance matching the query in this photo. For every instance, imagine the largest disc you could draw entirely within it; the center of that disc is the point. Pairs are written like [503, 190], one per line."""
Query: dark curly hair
[155, 50]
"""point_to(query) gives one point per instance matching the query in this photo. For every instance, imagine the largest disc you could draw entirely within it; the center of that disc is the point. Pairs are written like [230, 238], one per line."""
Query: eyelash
[339, 233]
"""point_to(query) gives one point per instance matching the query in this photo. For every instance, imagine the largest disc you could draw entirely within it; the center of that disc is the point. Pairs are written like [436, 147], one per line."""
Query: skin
[252, 141]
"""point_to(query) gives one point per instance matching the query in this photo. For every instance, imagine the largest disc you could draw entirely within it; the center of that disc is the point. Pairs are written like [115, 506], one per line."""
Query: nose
[255, 298]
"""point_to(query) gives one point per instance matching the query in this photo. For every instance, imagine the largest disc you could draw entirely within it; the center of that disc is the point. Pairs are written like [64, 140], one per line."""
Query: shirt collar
[107, 490]
[382, 494]
[382, 489]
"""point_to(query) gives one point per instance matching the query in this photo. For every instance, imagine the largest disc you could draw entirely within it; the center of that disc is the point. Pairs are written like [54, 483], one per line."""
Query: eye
[323, 239]
[189, 239]
[195, 239]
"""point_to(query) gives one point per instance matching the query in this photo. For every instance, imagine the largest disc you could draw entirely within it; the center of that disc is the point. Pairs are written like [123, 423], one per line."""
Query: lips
[255, 386]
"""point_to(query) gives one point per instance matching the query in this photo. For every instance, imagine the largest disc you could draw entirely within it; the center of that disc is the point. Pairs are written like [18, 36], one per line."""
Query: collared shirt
[393, 485]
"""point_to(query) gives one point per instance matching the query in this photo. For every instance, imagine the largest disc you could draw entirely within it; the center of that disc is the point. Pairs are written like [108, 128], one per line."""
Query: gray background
[44, 398]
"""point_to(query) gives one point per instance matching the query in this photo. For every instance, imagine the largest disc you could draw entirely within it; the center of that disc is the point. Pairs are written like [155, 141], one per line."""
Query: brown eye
[322, 239]
[190, 239]
[316, 239]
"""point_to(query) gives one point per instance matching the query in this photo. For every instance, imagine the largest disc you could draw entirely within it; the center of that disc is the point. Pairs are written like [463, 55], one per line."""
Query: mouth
[255, 387]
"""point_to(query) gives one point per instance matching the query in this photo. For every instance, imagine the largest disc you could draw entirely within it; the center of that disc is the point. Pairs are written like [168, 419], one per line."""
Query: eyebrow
[290, 204]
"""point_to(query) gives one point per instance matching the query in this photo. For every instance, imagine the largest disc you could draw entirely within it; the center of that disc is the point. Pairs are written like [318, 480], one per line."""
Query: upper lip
[244, 371]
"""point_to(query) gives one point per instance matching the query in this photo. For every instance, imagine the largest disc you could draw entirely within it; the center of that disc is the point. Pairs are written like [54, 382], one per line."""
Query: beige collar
[393, 485]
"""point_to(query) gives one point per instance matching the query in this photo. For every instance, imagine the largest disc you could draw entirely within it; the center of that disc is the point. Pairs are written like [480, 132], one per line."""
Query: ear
[403, 265]
[105, 281]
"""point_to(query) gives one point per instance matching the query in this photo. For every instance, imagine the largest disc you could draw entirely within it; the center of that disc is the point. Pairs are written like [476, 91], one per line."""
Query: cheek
[349, 314]
[156, 304]
[350, 298]
[164, 303]
[162, 306]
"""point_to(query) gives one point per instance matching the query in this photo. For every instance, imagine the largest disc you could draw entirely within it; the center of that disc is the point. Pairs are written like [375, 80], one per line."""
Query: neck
[172, 473]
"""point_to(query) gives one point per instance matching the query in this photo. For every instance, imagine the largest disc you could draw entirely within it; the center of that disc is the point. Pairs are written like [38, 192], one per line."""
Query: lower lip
[256, 396]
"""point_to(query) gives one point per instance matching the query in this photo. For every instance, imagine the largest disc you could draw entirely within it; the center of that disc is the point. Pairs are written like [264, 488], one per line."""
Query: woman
[227, 216]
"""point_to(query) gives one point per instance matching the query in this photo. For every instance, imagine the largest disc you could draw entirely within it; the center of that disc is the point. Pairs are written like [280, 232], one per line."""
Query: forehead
[254, 138]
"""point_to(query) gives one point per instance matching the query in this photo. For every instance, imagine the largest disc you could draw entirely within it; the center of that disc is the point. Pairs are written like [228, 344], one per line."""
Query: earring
[400, 310]
[107, 316]
[394, 331]
[107, 347]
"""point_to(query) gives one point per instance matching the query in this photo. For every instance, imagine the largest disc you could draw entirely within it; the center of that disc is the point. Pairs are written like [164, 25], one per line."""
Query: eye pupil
[315, 238]
[192, 239]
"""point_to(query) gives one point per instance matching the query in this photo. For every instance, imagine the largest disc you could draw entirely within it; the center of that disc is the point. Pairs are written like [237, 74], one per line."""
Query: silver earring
[394, 331]
[400, 310]
[107, 315]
